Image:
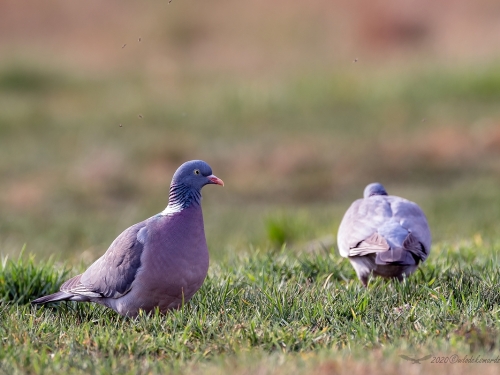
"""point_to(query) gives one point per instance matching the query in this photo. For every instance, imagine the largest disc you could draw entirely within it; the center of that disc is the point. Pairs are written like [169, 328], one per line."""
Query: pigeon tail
[59, 296]
[411, 253]
[396, 256]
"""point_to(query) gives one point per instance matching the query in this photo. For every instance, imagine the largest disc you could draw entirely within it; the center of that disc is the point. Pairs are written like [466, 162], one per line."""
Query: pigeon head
[195, 174]
[374, 189]
[187, 182]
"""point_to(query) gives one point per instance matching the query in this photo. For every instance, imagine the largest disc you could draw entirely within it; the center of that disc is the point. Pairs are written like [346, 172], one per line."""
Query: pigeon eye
[196, 171]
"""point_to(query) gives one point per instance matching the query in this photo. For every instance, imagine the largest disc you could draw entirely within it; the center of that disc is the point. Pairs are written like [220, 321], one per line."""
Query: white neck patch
[171, 209]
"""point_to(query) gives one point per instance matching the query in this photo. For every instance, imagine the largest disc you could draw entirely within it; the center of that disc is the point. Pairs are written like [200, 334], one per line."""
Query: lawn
[267, 312]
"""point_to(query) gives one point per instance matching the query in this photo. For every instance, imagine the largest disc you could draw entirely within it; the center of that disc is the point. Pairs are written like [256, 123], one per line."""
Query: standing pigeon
[158, 263]
[384, 235]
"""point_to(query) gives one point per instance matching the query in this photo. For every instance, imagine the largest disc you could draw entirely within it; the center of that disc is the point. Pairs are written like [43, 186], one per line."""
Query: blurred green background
[297, 105]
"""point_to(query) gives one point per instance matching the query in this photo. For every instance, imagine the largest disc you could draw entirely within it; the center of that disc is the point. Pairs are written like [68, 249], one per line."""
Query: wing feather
[113, 274]
[373, 244]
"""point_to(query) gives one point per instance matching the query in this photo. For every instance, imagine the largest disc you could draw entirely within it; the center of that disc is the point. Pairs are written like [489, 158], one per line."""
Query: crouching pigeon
[384, 235]
[158, 263]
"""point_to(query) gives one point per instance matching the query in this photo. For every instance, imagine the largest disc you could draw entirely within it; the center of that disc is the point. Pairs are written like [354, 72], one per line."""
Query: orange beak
[215, 180]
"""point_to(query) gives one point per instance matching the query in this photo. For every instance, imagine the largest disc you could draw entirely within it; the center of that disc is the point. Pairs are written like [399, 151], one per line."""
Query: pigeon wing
[408, 232]
[358, 232]
[373, 244]
[113, 274]
[412, 218]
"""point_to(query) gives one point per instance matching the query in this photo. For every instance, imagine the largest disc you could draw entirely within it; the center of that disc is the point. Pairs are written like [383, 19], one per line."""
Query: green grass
[301, 308]
[22, 279]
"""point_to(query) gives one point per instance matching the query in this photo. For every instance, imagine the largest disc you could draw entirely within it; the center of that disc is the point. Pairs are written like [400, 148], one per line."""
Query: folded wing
[112, 275]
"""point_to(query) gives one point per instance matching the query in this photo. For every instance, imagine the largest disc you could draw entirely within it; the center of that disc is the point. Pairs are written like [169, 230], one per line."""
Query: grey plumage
[374, 188]
[157, 263]
[384, 235]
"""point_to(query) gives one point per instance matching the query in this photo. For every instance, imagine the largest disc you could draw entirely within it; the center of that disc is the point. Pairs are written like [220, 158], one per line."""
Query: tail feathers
[400, 257]
[411, 253]
[59, 296]
[71, 290]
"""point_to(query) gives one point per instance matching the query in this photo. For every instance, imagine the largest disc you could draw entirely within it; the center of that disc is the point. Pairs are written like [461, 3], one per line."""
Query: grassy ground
[281, 312]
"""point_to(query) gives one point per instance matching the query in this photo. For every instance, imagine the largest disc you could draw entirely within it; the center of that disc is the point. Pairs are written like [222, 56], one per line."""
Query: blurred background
[297, 105]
